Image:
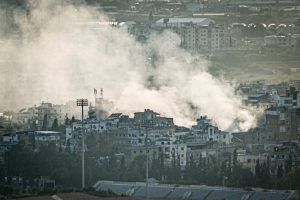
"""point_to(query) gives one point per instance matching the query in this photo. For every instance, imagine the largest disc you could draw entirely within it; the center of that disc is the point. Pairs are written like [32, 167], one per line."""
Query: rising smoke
[66, 51]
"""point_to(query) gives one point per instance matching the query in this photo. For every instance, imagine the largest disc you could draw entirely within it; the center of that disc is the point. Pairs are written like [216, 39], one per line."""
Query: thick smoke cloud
[67, 51]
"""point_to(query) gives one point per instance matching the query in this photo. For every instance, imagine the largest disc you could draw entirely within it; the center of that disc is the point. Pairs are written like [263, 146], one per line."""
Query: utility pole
[147, 166]
[82, 103]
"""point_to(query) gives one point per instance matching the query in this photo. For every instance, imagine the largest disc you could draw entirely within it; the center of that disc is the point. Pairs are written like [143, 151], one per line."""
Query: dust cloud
[65, 51]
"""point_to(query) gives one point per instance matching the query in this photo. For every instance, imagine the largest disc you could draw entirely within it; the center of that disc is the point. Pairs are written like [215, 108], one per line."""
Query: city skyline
[150, 99]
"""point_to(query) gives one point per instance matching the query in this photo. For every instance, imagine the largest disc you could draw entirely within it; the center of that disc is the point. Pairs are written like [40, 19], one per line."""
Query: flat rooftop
[199, 192]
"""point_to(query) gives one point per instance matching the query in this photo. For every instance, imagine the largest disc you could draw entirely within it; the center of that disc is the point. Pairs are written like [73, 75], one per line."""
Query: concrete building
[131, 153]
[10, 138]
[27, 116]
[47, 136]
[250, 161]
[173, 151]
[262, 3]
[289, 98]
[280, 41]
[206, 131]
[282, 124]
[196, 34]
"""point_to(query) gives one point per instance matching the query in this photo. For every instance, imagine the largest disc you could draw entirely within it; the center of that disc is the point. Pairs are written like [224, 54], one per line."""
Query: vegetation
[15, 193]
[101, 164]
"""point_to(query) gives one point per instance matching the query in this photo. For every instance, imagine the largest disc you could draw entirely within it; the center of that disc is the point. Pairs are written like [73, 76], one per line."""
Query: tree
[122, 165]
[174, 171]
[67, 121]
[72, 120]
[45, 123]
[55, 125]
[288, 164]
[155, 170]
[262, 175]
[191, 170]
[150, 16]
[279, 171]
[234, 160]
[20, 162]
[33, 126]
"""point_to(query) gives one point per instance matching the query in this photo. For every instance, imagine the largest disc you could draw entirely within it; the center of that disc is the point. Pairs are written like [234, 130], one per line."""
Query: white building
[197, 34]
[291, 98]
[10, 138]
[280, 41]
[98, 126]
[47, 136]
[206, 131]
[260, 3]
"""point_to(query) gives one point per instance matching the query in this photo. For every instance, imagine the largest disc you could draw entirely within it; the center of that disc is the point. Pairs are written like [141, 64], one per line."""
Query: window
[282, 129]
[282, 116]
[287, 101]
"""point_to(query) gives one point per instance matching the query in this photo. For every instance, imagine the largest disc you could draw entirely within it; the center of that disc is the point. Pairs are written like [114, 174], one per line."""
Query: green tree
[280, 172]
[72, 120]
[55, 125]
[45, 123]
[67, 121]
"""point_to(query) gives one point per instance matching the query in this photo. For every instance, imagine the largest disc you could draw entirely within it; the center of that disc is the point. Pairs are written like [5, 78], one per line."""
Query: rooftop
[47, 132]
[177, 20]
[76, 196]
[163, 191]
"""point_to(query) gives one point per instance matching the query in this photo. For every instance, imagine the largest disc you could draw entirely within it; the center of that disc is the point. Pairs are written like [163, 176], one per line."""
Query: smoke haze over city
[66, 51]
[150, 99]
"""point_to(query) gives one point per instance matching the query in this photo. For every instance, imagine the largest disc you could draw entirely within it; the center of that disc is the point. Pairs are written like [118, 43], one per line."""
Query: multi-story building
[280, 41]
[173, 151]
[28, 116]
[47, 136]
[262, 3]
[196, 34]
[10, 138]
[46, 110]
[206, 131]
[282, 124]
[131, 153]
[290, 98]
[250, 160]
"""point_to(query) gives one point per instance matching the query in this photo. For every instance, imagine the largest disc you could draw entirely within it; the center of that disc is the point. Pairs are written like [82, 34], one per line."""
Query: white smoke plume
[66, 51]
